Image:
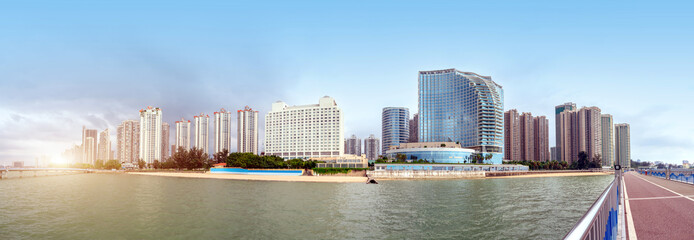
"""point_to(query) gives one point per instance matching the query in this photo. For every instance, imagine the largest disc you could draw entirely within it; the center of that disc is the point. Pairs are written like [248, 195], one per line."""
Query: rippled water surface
[118, 206]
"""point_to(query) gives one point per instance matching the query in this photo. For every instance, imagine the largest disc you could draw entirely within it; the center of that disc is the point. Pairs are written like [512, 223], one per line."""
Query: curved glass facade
[395, 126]
[434, 155]
[456, 106]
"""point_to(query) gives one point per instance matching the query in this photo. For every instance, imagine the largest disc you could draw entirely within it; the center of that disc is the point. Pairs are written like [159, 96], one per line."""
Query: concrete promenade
[657, 208]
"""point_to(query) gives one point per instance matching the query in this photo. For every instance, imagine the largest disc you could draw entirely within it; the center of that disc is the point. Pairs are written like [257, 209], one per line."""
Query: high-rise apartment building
[89, 154]
[581, 131]
[527, 137]
[202, 132]
[512, 135]
[128, 141]
[464, 107]
[395, 127]
[353, 145]
[569, 106]
[607, 126]
[541, 135]
[247, 130]
[371, 147]
[104, 146]
[622, 143]
[182, 134]
[222, 130]
[89, 146]
[591, 130]
[414, 128]
[305, 131]
[150, 134]
[165, 133]
[553, 153]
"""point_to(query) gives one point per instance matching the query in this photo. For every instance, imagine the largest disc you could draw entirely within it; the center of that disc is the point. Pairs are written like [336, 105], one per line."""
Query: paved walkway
[658, 208]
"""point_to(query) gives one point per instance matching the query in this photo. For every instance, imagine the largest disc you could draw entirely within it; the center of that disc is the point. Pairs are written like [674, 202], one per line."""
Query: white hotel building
[222, 131]
[202, 132]
[150, 134]
[307, 131]
[182, 134]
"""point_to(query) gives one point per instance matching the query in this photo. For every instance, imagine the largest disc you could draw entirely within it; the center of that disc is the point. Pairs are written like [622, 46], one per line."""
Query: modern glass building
[464, 107]
[395, 128]
[434, 155]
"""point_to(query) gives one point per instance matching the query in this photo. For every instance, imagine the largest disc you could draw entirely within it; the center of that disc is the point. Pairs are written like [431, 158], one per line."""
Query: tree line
[195, 158]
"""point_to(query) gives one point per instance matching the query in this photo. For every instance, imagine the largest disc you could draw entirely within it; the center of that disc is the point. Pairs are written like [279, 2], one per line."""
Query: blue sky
[64, 64]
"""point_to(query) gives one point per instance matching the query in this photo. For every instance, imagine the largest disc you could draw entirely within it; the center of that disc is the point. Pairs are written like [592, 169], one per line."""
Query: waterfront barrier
[278, 172]
[423, 171]
[602, 219]
[679, 175]
[38, 172]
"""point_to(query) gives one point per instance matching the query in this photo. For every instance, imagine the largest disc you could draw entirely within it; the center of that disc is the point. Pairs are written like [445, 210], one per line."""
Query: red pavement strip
[669, 217]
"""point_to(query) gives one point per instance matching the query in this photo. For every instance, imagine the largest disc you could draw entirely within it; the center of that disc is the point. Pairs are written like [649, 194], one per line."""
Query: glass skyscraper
[464, 107]
[395, 127]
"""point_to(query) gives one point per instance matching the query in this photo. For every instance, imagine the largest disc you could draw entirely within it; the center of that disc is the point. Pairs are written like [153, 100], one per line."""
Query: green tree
[141, 163]
[401, 157]
[197, 158]
[221, 157]
[112, 164]
[99, 164]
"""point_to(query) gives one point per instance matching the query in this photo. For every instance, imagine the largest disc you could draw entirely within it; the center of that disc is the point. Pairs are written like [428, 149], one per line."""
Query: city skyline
[540, 59]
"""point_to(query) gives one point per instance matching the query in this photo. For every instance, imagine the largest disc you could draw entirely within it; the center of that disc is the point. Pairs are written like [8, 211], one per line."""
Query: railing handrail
[582, 227]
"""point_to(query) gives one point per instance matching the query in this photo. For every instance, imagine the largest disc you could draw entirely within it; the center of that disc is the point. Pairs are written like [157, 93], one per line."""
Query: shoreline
[274, 178]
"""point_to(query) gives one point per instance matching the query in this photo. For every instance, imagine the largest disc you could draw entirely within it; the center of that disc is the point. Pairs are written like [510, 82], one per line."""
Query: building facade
[222, 130]
[150, 134]
[104, 146]
[89, 146]
[165, 133]
[464, 107]
[182, 134]
[590, 128]
[553, 153]
[414, 128]
[371, 147]
[395, 127]
[247, 130]
[512, 138]
[89, 154]
[581, 131]
[569, 106]
[527, 137]
[622, 143]
[353, 145]
[607, 126]
[541, 134]
[202, 132]
[128, 141]
[306, 131]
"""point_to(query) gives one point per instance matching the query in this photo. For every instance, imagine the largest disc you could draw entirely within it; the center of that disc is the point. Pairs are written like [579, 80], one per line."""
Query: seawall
[419, 174]
[36, 173]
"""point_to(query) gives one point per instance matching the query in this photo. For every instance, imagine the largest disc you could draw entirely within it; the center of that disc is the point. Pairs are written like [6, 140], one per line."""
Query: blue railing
[680, 175]
[601, 221]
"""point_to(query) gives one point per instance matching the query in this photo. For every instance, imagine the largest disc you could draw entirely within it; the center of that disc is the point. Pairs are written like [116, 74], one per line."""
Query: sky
[68, 64]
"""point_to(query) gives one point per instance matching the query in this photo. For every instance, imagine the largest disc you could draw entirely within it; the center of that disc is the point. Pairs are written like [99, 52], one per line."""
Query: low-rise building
[434, 152]
[344, 161]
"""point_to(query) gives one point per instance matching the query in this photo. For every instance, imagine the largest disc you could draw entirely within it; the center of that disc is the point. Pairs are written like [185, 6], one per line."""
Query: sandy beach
[331, 179]
[566, 174]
